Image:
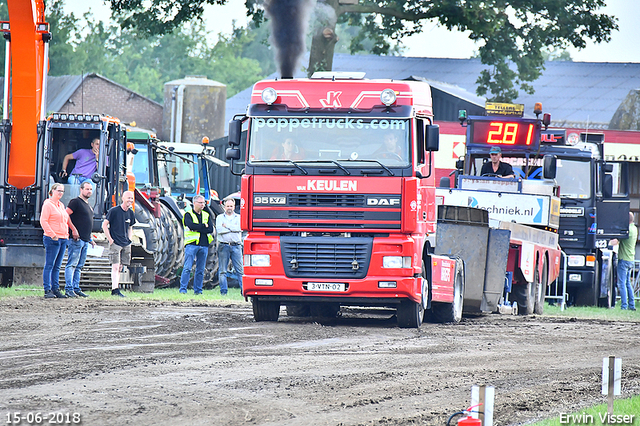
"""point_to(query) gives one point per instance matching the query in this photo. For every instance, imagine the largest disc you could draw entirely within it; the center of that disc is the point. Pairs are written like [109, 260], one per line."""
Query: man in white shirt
[229, 244]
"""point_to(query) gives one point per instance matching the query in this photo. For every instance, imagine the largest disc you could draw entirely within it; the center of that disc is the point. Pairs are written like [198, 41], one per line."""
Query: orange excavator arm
[29, 64]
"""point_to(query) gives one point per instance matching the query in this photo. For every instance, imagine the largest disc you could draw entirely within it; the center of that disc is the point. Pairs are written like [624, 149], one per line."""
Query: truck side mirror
[232, 154]
[432, 136]
[235, 131]
[549, 167]
[608, 168]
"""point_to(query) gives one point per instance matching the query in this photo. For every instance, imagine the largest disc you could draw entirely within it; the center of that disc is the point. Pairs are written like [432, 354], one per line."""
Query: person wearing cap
[495, 167]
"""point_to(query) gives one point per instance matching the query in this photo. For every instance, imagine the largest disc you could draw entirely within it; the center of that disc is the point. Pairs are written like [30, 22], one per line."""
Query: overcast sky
[436, 41]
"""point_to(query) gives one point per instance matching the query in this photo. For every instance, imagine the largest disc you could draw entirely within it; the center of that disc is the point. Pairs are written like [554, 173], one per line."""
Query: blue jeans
[192, 251]
[53, 255]
[76, 257]
[226, 251]
[625, 288]
[78, 179]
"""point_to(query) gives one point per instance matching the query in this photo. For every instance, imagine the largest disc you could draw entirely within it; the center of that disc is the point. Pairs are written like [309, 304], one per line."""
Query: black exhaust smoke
[289, 21]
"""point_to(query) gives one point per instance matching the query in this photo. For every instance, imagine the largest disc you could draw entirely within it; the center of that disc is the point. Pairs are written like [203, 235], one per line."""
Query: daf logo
[383, 201]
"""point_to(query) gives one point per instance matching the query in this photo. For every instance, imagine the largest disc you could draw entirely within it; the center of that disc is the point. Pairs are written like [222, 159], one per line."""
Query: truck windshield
[179, 174]
[574, 178]
[330, 138]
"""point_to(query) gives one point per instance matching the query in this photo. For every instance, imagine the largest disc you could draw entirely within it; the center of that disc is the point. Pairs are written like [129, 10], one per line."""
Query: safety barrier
[557, 291]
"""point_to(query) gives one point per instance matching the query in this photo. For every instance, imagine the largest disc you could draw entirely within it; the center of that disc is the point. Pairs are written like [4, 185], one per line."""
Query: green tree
[143, 64]
[512, 33]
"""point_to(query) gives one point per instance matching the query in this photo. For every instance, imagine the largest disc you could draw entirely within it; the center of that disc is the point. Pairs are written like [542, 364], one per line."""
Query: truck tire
[451, 312]
[265, 311]
[541, 287]
[526, 294]
[609, 301]
[410, 314]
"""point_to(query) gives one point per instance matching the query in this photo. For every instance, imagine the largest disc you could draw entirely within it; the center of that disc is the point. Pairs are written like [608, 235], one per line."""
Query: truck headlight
[257, 260]
[576, 260]
[396, 261]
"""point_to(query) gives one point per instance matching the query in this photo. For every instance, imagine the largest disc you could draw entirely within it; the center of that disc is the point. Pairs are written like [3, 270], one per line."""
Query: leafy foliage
[511, 33]
[143, 64]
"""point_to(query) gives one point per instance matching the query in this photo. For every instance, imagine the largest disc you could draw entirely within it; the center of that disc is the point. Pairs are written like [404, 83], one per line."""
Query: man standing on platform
[117, 226]
[81, 215]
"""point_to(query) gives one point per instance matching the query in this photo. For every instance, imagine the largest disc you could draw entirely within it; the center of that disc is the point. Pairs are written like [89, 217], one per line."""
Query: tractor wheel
[144, 217]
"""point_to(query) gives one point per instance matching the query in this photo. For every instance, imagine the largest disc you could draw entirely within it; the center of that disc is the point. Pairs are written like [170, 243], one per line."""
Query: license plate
[325, 286]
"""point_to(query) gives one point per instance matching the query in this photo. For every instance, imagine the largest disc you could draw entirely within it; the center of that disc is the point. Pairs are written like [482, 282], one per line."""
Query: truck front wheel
[265, 311]
[410, 314]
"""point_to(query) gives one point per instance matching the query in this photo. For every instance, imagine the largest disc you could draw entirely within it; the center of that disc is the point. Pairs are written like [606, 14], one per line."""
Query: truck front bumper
[373, 291]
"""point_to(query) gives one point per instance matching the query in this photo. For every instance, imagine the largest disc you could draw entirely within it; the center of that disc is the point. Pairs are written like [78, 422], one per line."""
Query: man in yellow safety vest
[198, 230]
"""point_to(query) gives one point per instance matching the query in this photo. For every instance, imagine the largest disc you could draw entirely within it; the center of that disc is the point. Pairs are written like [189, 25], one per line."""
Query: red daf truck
[338, 201]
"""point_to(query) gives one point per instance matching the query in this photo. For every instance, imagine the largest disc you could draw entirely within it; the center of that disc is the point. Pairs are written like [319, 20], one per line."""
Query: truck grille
[327, 200]
[334, 211]
[326, 257]
[572, 232]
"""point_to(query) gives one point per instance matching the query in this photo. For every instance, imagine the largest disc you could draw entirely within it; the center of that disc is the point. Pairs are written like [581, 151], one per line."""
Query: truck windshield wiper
[284, 161]
[377, 162]
[344, 169]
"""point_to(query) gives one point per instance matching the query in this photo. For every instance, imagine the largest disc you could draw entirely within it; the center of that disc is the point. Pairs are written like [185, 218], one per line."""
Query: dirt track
[140, 363]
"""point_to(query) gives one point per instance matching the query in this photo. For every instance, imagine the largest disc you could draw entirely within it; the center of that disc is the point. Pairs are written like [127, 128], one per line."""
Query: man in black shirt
[198, 235]
[117, 227]
[495, 167]
[81, 215]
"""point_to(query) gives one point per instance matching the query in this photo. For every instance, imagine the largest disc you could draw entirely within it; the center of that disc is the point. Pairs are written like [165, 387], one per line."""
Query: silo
[193, 107]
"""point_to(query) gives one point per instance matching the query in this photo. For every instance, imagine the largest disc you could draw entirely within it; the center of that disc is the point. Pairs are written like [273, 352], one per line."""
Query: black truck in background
[594, 208]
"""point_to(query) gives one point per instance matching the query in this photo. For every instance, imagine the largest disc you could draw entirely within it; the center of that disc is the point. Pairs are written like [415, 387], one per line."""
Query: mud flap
[497, 255]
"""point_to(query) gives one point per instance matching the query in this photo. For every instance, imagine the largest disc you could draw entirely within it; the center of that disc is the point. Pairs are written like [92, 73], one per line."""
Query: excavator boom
[29, 63]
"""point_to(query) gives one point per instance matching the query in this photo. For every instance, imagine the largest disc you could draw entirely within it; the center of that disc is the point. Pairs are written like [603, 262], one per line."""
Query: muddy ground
[152, 363]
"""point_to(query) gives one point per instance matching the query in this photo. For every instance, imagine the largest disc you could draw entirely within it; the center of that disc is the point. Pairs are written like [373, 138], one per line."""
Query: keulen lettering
[331, 185]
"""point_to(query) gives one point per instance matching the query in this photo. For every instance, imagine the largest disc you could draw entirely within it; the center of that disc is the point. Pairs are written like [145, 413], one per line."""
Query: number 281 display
[516, 133]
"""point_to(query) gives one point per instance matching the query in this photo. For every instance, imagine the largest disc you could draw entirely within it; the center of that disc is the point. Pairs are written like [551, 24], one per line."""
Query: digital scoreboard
[506, 132]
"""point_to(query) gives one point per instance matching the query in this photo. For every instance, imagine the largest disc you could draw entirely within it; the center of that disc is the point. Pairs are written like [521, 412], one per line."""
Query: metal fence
[635, 279]
[557, 292]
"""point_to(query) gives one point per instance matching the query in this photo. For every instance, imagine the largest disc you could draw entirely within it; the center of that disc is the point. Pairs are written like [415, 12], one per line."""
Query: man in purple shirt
[86, 163]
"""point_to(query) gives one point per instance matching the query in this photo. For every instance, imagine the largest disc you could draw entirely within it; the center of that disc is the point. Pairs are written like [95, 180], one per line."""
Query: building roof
[60, 89]
[576, 94]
